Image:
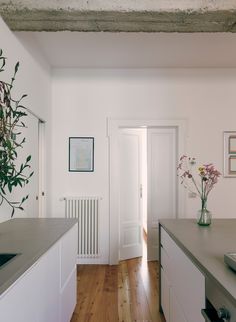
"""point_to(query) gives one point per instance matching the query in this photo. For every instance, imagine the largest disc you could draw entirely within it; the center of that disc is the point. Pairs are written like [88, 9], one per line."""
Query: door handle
[141, 191]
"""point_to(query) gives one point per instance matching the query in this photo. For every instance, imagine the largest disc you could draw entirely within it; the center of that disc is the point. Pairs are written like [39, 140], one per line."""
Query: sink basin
[4, 258]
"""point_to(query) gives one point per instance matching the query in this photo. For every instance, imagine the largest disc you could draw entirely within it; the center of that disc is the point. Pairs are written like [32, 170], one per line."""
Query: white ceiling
[134, 50]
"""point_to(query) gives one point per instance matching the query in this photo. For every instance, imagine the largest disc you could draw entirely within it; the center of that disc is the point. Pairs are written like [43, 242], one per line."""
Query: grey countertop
[206, 247]
[30, 238]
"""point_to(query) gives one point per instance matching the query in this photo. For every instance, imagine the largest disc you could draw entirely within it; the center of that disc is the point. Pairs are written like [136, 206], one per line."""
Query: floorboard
[124, 293]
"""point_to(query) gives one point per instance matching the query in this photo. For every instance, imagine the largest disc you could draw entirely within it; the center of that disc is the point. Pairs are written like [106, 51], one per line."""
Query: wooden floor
[127, 292]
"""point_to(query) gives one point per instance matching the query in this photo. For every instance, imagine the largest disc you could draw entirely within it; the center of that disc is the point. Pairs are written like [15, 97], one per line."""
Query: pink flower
[207, 176]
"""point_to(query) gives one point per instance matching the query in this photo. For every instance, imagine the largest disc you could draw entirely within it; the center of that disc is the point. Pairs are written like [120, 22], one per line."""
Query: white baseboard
[92, 261]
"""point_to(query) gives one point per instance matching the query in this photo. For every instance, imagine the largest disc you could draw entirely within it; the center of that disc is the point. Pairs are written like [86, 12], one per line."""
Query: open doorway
[147, 189]
[114, 127]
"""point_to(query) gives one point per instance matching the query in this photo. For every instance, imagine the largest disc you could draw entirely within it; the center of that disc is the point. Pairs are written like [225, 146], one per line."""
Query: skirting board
[92, 261]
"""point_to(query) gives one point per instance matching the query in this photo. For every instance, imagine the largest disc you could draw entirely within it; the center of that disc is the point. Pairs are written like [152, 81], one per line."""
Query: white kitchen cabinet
[35, 295]
[185, 286]
[68, 291]
[165, 295]
[176, 313]
[46, 292]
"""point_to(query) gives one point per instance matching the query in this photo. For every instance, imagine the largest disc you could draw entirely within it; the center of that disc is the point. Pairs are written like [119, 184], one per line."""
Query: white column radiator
[86, 210]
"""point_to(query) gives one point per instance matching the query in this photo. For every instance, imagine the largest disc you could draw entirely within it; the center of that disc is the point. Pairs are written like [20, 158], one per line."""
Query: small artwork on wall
[81, 154]
[230, 154]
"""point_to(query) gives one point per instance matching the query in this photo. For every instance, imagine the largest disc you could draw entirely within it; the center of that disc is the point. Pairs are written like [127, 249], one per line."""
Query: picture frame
[81, 154]
[229, 154]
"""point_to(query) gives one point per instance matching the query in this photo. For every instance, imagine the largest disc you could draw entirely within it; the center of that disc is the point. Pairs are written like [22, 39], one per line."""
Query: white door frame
[42, 166]
[41, 162]
[113, 133]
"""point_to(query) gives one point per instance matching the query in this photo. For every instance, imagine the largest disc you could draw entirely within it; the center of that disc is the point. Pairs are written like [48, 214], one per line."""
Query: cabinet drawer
[176, 311]
[167, 243]
[68, 298]
[184, 278]
[188, 284]
[165, 295]
[165, 262]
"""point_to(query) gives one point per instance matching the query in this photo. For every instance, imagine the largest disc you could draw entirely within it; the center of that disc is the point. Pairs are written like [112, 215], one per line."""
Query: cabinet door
[176, 311]
[184, 277]
[188, 284]
[69, 252]
[34, 297]
[165, 295]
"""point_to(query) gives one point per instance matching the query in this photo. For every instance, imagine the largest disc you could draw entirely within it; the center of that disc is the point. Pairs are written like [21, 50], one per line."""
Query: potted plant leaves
[12, 114]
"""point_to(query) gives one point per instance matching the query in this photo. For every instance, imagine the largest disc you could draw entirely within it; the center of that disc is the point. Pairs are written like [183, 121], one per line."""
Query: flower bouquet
[201, 184]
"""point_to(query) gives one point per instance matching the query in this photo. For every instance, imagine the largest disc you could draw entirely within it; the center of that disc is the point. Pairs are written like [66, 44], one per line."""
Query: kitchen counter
[206, 247]
[30, 238]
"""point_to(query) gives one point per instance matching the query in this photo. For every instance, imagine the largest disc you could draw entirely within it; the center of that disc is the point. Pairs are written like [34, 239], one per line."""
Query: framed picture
[230, 154]
[81, 154]
[232, 144]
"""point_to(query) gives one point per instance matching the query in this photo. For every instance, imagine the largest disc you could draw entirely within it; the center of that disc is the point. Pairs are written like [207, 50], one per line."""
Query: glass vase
[204, 215]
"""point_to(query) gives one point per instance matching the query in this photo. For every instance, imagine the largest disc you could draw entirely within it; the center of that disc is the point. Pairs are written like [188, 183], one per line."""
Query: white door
[162, 163]
[130, 199]
[30, 147]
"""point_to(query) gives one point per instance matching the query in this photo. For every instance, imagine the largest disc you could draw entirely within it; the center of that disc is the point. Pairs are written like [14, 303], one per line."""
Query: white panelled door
[162, 163]
[30, 147]
[130, 199]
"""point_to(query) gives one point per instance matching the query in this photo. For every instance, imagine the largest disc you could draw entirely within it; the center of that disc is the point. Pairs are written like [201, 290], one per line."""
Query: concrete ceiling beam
[120, 15]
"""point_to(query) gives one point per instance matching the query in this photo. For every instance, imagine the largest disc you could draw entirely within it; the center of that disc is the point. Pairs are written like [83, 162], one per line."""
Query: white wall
[83, 100]
[33, 79]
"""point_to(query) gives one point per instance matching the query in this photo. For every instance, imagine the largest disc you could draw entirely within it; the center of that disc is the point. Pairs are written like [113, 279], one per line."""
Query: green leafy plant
[12, 111]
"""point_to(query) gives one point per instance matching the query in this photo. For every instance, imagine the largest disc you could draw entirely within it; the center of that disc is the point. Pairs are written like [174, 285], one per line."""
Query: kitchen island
[39, 283]
[202, 249]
